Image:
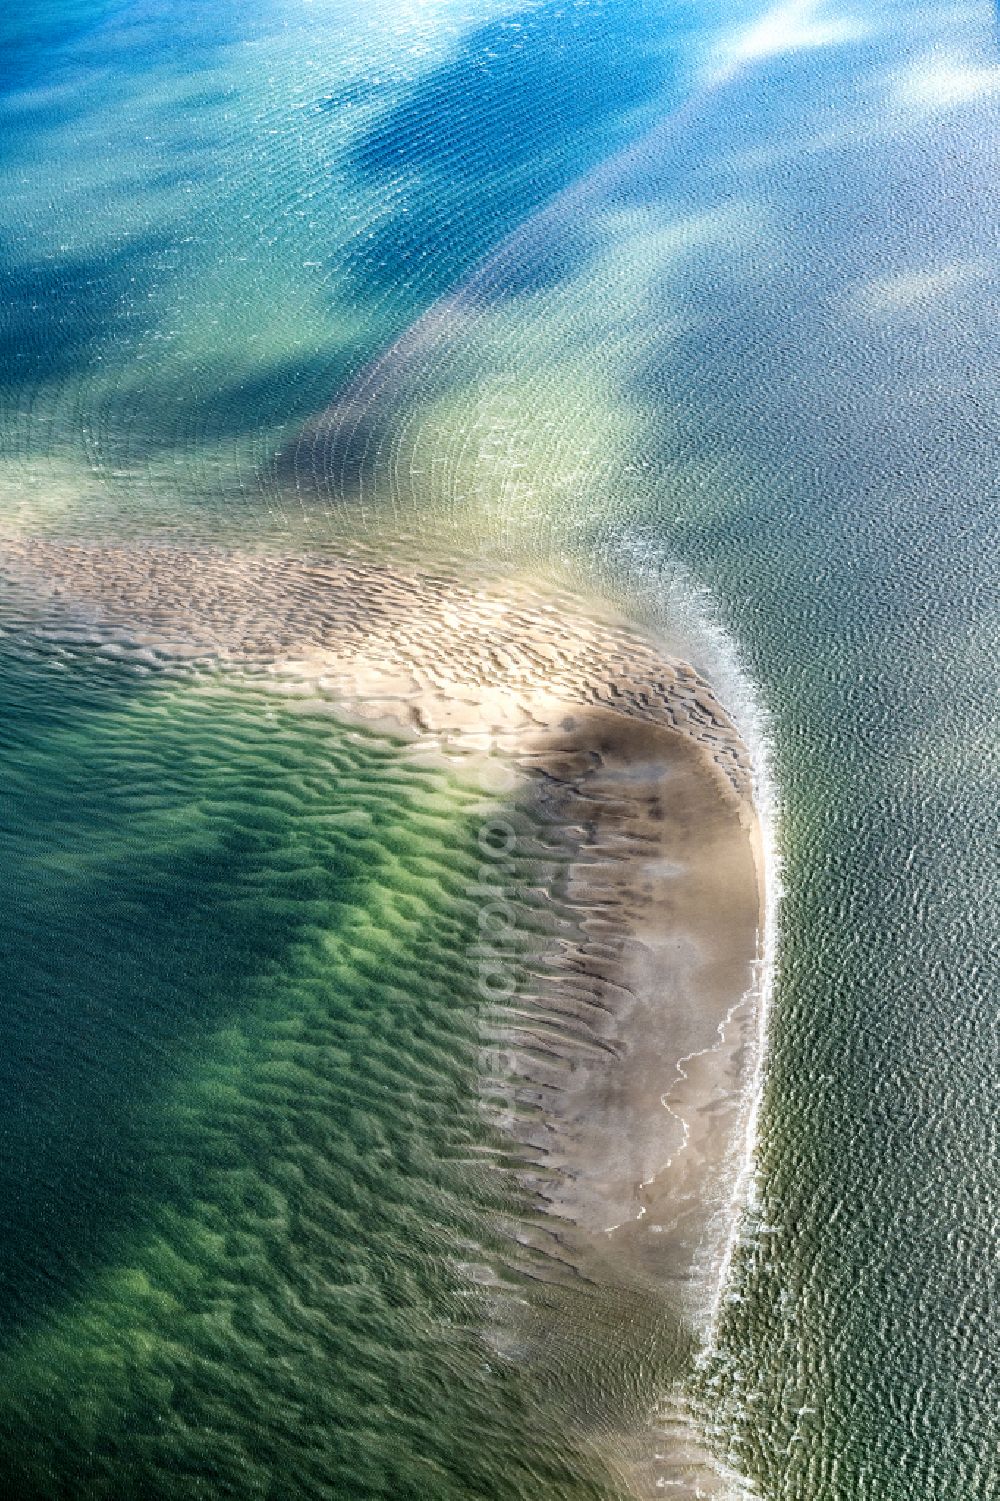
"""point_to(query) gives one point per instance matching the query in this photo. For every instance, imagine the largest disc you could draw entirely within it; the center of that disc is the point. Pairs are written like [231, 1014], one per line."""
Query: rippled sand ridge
[614, 1021]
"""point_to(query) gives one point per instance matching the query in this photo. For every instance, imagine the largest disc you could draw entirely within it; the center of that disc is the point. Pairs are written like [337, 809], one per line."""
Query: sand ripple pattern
[261, 1181]
[371, 854]
[461, 656]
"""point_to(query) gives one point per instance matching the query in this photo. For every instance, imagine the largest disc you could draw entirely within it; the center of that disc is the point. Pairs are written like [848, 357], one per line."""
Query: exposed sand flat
[628, 1039]
[432, 649]
[665, 876]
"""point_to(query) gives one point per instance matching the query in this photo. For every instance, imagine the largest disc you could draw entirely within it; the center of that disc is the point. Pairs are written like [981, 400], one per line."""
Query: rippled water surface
[696, 301]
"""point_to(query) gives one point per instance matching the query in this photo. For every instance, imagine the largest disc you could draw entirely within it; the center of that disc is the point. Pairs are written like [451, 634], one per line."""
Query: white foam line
[746, 1189]
[673, 601]
[738, 694]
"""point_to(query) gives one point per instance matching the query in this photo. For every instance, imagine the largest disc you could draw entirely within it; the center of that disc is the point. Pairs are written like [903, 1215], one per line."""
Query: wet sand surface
[437, 650]
[666, 883]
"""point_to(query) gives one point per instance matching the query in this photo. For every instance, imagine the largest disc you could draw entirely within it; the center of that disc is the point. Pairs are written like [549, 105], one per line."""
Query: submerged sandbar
[633, 1042]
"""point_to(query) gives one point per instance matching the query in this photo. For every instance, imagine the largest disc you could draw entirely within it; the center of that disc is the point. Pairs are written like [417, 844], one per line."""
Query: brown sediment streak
[632, 1036]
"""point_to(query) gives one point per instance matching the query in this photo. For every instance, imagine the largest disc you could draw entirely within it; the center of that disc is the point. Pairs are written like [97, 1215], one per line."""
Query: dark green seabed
[698, 303]
[246, 1177]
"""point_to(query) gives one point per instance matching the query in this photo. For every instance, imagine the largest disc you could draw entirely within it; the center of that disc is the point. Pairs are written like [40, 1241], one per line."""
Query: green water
[252, 1191]
[258, 1230]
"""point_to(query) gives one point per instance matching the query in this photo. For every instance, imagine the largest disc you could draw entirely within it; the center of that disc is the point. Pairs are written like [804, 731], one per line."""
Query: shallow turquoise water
[756, 357]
